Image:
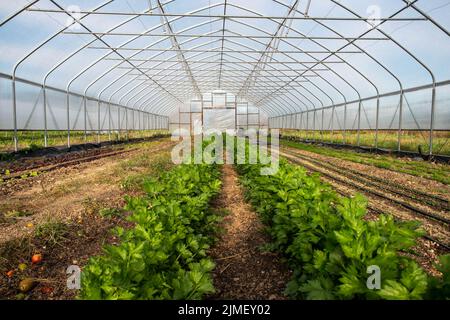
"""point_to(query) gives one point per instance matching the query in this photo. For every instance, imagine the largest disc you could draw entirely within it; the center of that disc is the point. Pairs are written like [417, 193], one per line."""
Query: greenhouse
[224, 150]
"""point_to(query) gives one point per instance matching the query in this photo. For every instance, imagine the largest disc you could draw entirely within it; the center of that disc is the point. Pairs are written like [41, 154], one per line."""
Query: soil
[64, 194]
[243, 270]
[82, 240]
[404, 179]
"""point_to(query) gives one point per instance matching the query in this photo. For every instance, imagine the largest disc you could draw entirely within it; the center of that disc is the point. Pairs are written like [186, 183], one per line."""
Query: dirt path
[242, 270]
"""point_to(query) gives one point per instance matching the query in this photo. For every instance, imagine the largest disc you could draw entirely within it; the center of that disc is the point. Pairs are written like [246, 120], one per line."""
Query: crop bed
[43, 165]
[402, 201]
[434, 201]
[31, 161]
[164, 255]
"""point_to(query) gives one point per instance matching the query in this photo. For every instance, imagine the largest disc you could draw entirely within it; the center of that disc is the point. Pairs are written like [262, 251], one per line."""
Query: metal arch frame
[24, 58]
[433, 79]
[72, 54]
[15, 14]
[205, 44]
[290, 69]
[113, 68]
[283, 92]
[280, 106]
[246, 46]
[334, 52]
[53, 36]
[139, 51]
[128, 41]
[219, 83]
[276, 76]
[376, 88]
[202, 9]
[194, 39]
[79, 74]
[110, 101]
[238, 16]
[107, 47]
[126, 109]
[405, 50]
[408, 4]
[269, 50]
[303, 64]
[359, 72]
[300, 50]
[198, 61]
[176, 44]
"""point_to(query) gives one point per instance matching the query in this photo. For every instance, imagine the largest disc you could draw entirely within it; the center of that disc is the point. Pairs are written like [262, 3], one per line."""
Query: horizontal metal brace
[221, 16]
[225, 62]
[220, 36]
[217, 51]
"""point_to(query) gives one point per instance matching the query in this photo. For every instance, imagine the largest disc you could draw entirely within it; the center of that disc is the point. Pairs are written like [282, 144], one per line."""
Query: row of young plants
[164, 255]
[332, 249]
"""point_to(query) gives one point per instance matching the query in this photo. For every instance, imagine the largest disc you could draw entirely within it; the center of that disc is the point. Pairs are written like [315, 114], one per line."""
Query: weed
[91, 206]
[14, 250]
[14, 215]
[52, 232]
[110, 212]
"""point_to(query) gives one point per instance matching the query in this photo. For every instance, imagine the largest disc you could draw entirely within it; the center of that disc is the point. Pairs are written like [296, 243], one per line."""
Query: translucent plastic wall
[82, 113]
[217, 111]
[67, 113]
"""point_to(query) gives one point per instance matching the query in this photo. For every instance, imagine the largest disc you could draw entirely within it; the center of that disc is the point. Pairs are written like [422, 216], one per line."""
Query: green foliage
[110, 212]
[328, 243]
[12, 216]
[164, 255]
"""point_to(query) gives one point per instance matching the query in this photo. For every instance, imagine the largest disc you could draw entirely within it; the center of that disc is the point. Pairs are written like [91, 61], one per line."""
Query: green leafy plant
[439, 287]
[327, 241]
[110, 212]
[164, 255]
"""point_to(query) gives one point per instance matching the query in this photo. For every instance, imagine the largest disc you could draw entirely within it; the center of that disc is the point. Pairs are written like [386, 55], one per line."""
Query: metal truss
[159, 67]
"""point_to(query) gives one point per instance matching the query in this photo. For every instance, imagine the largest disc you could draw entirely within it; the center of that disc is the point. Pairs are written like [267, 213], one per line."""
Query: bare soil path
[243, 270]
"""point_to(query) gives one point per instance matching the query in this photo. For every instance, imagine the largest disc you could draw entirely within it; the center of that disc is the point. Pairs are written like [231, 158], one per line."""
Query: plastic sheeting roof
[284, 56]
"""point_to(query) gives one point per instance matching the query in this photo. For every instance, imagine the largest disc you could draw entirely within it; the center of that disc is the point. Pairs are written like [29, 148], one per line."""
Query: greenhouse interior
[225, 150]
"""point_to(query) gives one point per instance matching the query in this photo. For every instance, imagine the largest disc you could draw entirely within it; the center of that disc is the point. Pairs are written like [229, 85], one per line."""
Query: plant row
[164, 255]
[336, 253]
